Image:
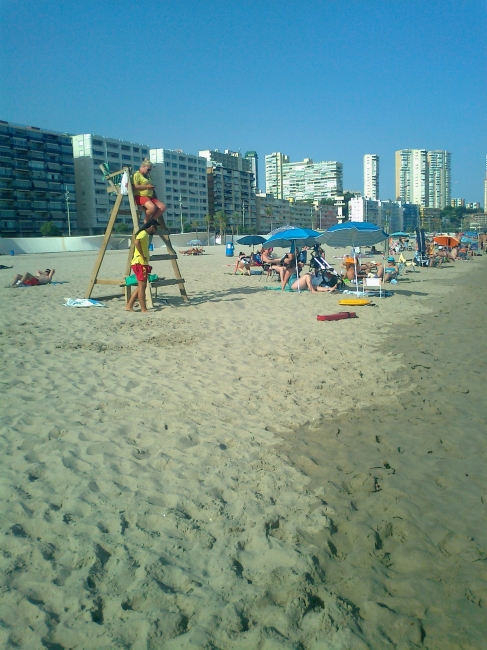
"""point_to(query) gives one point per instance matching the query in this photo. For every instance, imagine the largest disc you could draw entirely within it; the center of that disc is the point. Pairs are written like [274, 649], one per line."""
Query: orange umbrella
[443, 240]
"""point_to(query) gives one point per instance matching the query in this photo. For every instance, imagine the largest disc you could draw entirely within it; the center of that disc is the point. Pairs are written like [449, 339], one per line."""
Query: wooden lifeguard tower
[114, 187]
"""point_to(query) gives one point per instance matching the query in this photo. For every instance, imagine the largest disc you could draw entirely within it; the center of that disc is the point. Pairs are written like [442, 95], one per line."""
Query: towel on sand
[82, 302]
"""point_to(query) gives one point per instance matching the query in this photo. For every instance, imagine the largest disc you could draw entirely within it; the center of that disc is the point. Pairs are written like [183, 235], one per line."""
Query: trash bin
[230, 249]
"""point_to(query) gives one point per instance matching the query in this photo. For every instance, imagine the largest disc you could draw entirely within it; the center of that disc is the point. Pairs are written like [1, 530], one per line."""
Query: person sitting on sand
[29, 280]
[144, 192]
[242, 263]
[140, 264]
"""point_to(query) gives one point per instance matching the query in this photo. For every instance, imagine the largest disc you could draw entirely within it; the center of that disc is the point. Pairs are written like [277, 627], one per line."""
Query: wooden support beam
[103, 247]
[162, 257]
[120, 283]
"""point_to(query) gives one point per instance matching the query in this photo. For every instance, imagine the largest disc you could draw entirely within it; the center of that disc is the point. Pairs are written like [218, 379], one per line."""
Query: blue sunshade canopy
[353, 233]
[251, 240]
[289, 236]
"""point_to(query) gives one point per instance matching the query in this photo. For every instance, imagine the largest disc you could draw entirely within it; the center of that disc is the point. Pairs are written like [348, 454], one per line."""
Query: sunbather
[389, 271]
[314, 284]
[41, 277]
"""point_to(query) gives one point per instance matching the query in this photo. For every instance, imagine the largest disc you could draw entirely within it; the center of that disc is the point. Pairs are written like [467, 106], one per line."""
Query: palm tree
[269, 213]
[194, 226]
[208, 219]
[221, 221]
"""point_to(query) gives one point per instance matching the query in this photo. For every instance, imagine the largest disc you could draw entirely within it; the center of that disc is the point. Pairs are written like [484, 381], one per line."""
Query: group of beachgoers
[321, 277]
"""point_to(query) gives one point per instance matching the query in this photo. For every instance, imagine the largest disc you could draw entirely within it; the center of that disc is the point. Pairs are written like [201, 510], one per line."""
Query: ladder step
[166, 283]
[120, 283]
[164, 256]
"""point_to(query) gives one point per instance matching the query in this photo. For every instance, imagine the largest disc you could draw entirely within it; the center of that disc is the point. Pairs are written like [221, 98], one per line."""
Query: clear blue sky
[326, 79]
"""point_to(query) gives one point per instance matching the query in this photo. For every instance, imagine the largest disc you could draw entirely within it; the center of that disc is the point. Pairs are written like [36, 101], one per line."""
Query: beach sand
[233, 473]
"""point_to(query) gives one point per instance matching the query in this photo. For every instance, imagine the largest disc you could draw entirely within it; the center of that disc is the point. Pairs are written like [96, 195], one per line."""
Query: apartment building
[231, 187]
[412, 176]
[423, 177]
[363, 209]
[457, 203]
[181, 183]
[439, 179]
[430, 219]
[254, 166]
[274, 164]
[273, 213]
[371, 176]
[94, 203]
[304, 180]
[392, 216]
[36, 180]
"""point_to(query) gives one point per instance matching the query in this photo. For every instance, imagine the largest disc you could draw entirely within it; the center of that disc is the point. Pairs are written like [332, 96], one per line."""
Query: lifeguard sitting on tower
[144, 192]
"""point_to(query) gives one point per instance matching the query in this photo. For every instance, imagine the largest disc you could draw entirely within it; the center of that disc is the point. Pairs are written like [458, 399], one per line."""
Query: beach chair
[404, 264]
[372, 283]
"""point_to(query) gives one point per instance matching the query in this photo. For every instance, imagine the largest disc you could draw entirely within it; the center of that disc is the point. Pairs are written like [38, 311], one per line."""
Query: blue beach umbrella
[399, 234]
[353, 233]
[289, 237]
[251, 240]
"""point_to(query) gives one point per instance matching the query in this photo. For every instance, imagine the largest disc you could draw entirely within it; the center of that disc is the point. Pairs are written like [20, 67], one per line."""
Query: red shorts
[32, 282]
[142, 200]
[141, 271]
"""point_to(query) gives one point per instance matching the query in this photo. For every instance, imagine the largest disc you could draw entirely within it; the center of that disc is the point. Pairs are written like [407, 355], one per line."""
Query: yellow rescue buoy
[354, 301]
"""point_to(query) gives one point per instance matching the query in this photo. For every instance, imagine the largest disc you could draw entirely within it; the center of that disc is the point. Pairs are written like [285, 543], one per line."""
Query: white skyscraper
[371, 176]
[412, 176]
[439, 179]
[273, 174]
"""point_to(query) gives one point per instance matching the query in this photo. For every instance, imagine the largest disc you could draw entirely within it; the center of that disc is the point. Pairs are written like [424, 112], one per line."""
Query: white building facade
[371, 176]
[93, 202]
[412, 176]
[181, 183]
[362, 209]
[304, 180]
[439, 179]
[274, 163]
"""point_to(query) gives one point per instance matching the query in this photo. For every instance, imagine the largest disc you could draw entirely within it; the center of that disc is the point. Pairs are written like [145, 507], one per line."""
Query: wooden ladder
[114, 187]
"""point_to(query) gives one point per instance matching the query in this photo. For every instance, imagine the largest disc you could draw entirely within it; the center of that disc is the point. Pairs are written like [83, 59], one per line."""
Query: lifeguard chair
[114, 181]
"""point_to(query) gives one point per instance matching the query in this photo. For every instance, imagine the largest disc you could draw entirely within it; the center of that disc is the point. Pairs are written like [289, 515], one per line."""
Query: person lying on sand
[314, 284]
[41, 277]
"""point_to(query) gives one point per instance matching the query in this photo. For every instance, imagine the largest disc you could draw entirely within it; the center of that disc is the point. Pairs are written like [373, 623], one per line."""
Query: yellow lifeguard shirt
[139, 179]
[143, 237]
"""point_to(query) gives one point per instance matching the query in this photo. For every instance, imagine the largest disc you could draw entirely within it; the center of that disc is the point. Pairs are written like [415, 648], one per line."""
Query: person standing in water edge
[140, 264]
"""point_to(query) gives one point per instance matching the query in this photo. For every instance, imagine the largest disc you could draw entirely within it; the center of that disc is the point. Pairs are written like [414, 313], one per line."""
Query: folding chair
[373, 282]
[404, 263]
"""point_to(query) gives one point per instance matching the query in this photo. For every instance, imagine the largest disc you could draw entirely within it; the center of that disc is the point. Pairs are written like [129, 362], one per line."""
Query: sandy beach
[232, 473]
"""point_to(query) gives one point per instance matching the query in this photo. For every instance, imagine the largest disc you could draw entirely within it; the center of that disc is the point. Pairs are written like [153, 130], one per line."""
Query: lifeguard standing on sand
[144, 192]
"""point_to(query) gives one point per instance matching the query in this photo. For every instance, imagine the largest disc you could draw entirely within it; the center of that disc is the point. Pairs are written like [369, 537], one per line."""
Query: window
[144, 152]
[182, 166]
[174, 165]
[167, 172]
[97, 152]
[135, 149]
[97, 143]
[125, 148]
[124, 157]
